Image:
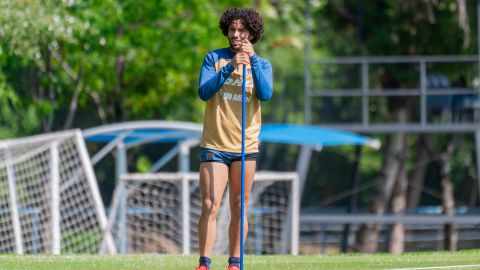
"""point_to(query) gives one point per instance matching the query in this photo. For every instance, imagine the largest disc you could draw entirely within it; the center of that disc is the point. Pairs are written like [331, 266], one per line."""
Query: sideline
[440, 267]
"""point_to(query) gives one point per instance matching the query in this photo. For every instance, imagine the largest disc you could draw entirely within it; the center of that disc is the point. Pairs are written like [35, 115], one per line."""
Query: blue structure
[123, 136]
[313, 136]
[142, 132]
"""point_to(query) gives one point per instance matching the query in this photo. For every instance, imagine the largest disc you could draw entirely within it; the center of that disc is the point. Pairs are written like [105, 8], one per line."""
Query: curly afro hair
[249, 17]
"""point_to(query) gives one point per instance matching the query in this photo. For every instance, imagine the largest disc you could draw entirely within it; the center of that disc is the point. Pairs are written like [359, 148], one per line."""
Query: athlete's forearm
[262, 78]
[211, 81]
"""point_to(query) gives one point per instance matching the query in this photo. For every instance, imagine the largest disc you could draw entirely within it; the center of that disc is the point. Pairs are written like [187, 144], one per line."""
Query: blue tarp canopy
[314, 136]
[170, 131]
[145, 135]
[139, 132]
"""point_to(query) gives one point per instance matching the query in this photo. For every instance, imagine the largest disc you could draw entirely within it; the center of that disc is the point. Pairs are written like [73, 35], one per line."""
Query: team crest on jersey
[237, 82]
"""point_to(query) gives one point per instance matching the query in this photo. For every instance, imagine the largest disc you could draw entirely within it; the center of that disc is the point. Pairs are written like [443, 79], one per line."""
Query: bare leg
[235, 202]
[213, 180]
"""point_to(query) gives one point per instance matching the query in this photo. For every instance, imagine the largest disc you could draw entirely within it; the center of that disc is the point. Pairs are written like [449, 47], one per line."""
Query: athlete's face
[236, 33]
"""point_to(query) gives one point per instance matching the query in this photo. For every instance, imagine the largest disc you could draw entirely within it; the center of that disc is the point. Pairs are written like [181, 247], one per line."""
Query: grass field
[425, 260]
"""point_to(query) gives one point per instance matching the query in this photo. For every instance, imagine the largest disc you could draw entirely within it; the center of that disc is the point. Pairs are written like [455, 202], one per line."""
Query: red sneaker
[202, 267]
[233, 268]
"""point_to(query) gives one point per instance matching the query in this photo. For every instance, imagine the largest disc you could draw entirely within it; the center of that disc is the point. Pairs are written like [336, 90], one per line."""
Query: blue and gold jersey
[220, 85]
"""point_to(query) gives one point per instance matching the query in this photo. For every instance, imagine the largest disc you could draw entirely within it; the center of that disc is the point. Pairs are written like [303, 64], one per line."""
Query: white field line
[440, 267]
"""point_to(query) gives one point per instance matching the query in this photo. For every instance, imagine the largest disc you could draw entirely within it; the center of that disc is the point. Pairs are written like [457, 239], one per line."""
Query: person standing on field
[220, 85]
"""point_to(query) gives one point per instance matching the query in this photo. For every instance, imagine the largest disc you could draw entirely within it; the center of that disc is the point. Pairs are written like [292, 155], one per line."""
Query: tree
[141, 62]
[29, 32]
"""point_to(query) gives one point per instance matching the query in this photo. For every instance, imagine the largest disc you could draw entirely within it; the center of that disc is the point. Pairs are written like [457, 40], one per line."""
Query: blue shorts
[212, 155]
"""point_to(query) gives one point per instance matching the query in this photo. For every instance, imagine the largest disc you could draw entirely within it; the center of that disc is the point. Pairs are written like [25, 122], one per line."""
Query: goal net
[158, 213]
[49, 199]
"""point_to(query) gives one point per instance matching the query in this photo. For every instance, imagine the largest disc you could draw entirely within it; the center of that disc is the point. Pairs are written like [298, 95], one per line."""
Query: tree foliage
[71, 63]
[63, 62]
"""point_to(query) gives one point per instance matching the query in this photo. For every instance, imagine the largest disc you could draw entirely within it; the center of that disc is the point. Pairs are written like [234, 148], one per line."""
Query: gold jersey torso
[222, 127]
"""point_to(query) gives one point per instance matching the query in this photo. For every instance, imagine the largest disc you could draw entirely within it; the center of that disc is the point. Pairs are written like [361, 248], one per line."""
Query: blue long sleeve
[262, 78]
[210, 81]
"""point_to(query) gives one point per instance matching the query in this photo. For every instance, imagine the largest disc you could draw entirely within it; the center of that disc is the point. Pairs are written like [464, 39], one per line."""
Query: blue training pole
[242, 189]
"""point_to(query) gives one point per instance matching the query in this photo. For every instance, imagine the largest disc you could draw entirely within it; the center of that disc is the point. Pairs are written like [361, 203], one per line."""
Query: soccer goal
[158, 213]
[49, 198]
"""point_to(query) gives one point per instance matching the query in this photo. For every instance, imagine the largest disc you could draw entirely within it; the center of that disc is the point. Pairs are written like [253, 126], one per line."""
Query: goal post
[161, 211]
[49, 198]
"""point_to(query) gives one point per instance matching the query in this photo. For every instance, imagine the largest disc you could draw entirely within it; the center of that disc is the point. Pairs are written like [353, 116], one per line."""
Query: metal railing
[423, 91]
